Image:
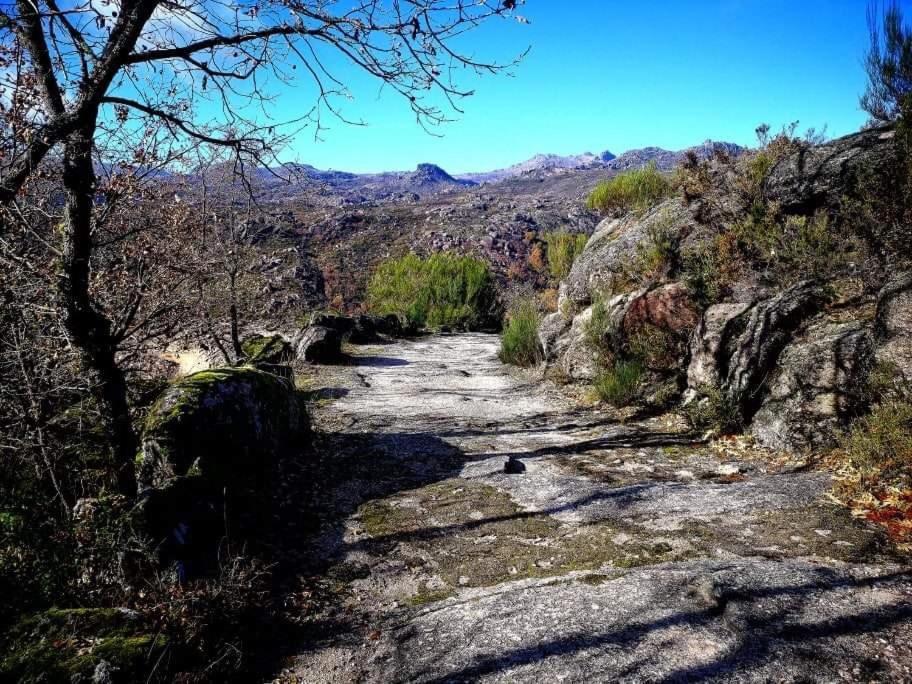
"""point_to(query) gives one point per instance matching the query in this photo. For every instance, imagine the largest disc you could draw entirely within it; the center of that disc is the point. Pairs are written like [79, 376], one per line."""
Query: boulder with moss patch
[228, 425]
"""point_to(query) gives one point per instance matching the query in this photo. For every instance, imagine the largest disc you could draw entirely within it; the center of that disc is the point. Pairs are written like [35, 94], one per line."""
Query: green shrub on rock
[563, 249]
[619, 384]
[84, 644]
[636, 190]
[519, 343]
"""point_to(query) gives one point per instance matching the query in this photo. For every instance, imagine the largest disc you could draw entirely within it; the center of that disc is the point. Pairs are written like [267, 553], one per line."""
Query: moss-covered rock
[228, 425]
[270, 350]
[73, 645]
[271, 353]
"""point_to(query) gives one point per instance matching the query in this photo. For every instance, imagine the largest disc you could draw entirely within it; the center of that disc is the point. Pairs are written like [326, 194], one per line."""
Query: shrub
[519, 343]
[655, 254]
[563, 249]
[714, 410]
[636, 190]
[619, 384]
[549, 299]
[888, 63]
[656, 348]
[879, 447]
[444, 289]
[537, 259]
[709, 270]
[599, 332]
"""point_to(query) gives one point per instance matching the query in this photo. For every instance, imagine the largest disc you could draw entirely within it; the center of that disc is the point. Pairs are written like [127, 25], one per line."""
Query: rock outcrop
[318, 344]
[787, 361]
[819, 176]
[612, 247]
[817, 385]
[763, 332]
[893, 324]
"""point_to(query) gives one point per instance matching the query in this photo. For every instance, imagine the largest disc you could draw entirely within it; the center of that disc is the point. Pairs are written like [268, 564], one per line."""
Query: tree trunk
[90, 330]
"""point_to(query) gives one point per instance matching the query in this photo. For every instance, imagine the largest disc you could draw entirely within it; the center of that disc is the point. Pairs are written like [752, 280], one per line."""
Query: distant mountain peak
[431, 174]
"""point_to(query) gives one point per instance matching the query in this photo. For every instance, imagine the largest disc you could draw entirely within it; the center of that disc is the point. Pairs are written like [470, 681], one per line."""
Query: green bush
[636, 190]
[620, 383]
[563, 249]
[445, 289]
[519, 343]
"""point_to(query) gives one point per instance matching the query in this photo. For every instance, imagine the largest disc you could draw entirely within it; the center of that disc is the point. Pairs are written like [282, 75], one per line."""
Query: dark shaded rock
[318, 344]
[228, 425]
[514, 466]
[821, 175]
[817, 386]
[336, 322]
[893, 324]
[366, 330]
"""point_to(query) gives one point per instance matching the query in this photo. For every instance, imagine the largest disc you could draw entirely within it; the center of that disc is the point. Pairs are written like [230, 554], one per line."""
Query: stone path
[623, 552]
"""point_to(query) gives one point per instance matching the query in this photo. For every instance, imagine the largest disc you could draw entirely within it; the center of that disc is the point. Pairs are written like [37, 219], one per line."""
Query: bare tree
[83, 79]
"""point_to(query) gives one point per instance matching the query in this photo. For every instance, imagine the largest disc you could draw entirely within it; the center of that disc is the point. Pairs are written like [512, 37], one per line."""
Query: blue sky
[605, 74]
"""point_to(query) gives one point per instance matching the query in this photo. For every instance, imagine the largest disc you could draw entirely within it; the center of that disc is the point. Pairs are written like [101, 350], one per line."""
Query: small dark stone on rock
[514, 466]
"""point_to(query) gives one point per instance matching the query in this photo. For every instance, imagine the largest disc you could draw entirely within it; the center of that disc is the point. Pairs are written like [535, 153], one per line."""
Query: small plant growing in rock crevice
[712, 409]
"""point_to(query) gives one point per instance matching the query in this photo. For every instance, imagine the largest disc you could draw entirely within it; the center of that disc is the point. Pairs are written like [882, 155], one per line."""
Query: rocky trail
[614, 551]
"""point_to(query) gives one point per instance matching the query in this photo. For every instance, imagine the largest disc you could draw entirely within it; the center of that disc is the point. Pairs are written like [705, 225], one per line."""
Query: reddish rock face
[668, 307]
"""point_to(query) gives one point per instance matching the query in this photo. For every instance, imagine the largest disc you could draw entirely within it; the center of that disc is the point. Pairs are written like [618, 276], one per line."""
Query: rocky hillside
[351, 222]
[760, 298]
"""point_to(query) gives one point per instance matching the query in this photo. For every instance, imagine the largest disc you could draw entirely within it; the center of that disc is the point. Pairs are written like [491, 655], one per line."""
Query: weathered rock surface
[668, 307]
[611, 248]
[818, 383]
[226, 424]
[318, 344]
[623, 552]
[578, 360]
[707, 348]
[820, 175]
[551, 335]
[271, 350]
[893, 324]
[763, 331]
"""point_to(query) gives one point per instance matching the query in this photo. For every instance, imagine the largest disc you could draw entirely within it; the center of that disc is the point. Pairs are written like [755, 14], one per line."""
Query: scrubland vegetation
[636, 190]
[563, 249]
[444, 289]
[519, 344]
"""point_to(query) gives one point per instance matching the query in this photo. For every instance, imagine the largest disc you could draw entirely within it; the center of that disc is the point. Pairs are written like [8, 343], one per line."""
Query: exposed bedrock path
[623, 552]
